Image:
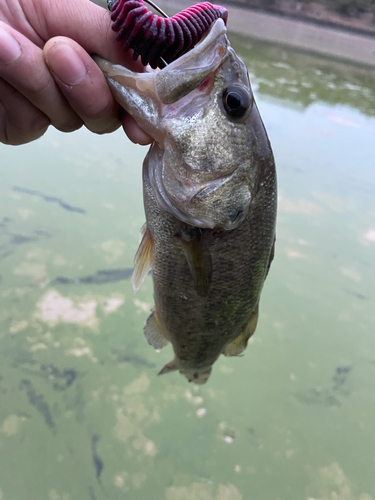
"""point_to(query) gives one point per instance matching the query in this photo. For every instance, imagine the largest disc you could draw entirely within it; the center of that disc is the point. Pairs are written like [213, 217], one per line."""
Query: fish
[210, 200]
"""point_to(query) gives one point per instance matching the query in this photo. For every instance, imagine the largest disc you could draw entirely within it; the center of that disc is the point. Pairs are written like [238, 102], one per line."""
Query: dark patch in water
[79, 404]
[101, 277]
[62, 378]
[97, 461]
[356, 294]
[50, 199]
[21, 239]
[133, 359]
[91, 493]
[42, 232]
[4, 221]
[23, 357]
[329, 397]
[316, 397]
[9, 240]
[340, 377]
[37, 400]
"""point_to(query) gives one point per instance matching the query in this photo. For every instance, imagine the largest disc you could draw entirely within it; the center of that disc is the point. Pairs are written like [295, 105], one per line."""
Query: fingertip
[134, 131]
[83, 84]
[65, 62]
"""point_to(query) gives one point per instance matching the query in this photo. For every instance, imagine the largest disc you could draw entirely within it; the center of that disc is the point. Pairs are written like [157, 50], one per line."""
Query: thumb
[86, 23]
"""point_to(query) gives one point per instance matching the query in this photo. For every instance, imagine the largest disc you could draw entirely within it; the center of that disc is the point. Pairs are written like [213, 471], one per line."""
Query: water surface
[83, 414]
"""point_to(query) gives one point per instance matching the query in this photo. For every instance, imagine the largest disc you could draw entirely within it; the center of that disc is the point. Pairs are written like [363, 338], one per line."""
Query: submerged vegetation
[304, 79]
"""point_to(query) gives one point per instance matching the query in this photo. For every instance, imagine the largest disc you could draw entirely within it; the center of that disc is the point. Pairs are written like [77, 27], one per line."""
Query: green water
[83, 414]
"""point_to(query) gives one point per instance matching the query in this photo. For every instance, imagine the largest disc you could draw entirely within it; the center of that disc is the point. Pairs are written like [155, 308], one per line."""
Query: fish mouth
[198, 377]
[204, 46]
[185, 74]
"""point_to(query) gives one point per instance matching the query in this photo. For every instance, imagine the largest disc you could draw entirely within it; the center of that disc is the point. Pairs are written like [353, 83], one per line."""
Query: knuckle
[39, 86]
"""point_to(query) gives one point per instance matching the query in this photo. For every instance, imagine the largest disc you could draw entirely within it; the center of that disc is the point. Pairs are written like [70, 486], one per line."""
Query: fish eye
[236, 101]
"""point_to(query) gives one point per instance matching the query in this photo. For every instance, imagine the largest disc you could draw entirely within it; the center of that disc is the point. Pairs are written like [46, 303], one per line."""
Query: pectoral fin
[238, 345]
[198, 259]
[142, 259]
[154, 333]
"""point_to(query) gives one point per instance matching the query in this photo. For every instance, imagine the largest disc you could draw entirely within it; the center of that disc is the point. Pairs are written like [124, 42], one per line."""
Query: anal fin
[153, 333]
[169, 367]
[238, 345]
[142, 259]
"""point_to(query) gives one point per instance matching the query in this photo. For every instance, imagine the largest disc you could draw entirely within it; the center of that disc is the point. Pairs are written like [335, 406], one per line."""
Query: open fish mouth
[185, 74]
[178, 78]
[203, 48]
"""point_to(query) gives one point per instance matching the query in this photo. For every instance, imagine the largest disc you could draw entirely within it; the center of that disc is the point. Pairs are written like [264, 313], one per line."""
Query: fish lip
[217, 29]
[186, 74]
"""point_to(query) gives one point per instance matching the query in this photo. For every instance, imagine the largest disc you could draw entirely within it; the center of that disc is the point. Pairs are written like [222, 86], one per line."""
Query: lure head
[201, 111]
[159, 40]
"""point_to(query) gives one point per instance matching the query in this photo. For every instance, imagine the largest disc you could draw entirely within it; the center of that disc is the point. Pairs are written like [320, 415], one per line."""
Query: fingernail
[66, 65]
[10, 49]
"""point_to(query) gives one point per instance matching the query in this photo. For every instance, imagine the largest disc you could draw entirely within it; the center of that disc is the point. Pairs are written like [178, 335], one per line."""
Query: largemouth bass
[209, 186]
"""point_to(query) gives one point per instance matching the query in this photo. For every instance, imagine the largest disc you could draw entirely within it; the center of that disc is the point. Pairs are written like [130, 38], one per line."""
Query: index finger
[86, 23]
[83, 84]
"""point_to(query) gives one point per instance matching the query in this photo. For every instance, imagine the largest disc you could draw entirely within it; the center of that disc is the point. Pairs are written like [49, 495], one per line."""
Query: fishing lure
[161, 40]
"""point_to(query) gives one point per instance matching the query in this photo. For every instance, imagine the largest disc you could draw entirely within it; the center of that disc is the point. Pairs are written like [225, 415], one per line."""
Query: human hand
[47, 76]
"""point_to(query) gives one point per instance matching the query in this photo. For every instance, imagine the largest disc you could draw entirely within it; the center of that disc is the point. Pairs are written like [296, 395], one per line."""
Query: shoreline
[310, 37]
[350, 25]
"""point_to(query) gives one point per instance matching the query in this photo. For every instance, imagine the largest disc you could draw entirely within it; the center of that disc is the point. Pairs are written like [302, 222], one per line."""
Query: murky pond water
[83, 414]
